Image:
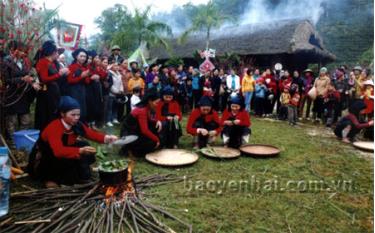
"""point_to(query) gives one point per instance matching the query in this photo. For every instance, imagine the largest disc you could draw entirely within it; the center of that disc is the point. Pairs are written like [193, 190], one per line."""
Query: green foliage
[367, 58]
[349, 31]
[229, 60]
[128, 30]
[174, 62]
[205, 18]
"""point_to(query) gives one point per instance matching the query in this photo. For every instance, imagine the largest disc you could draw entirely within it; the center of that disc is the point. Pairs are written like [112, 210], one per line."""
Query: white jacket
[237, 86]
[117, 86]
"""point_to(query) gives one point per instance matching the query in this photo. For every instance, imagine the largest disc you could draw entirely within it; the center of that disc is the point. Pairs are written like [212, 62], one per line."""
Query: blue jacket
[260, 91]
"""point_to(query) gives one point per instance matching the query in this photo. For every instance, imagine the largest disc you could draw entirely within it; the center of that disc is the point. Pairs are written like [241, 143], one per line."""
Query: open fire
[94, 207]
[119, 191]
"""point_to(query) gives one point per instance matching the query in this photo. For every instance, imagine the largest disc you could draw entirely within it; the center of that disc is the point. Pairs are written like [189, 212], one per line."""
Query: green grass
[304, 158]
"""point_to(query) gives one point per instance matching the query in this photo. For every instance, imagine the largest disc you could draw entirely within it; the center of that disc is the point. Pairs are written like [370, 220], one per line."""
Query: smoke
[262, 11]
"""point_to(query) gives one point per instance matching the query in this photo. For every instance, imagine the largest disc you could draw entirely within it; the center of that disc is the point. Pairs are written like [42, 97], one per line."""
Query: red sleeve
[72, 79]
[141, 115]
[42, 69]
[159, 116]
[273, 85]
[192, 118]
[356, 123]
[102, 73]
[93, 135]
[175, 109]
[225, 116]
[244, 118]
[52, 134]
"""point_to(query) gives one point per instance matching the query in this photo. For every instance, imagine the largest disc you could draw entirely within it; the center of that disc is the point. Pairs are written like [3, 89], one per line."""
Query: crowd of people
[150, 101]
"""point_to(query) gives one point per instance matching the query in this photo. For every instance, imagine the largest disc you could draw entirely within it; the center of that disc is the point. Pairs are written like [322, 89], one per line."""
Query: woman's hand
[64, 71]
[36, 86]
[110, 138]
[236, 122]
[158, 126]
[85, 73]
[229, 123]
[87, 150]
[204, 132]
[95, 77]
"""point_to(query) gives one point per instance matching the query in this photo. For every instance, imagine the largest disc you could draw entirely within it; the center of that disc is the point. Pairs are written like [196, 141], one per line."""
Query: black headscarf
[357, 107]
[76, 52]
[151, 95]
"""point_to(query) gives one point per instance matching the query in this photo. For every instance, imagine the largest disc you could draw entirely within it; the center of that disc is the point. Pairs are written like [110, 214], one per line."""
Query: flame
[125, 189]
[111, 190]
[129, 182]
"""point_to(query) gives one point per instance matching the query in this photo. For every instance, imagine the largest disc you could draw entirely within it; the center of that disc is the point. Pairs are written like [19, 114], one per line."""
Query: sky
[85, 11]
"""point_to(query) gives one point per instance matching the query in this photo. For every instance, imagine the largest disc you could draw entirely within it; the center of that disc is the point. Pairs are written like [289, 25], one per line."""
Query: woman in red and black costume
[94, 96]
[236, 123]
[78, 79]
[142, 122]
[204, 123]
[59, 157]
[168, 112]
[49, 74]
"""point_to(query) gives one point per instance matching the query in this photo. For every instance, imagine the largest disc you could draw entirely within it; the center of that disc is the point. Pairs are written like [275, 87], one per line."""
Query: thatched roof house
[293, 43]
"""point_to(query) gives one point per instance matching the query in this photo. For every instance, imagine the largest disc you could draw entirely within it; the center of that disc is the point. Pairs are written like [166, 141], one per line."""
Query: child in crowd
[284, 101]
[293, 104]
[135, 99]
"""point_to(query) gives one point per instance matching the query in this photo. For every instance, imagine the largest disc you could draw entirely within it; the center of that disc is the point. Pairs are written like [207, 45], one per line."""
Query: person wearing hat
[60, 156]
[321, 85]
[168, 112]
[235, 122]
[115, 57]
[308, 82]
[368, 97]
[142, 123]
[204, 123]
[78, 79]
[49, 74]
[349, 126]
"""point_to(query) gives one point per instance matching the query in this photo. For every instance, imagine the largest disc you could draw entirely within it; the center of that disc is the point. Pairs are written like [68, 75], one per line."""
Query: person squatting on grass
[235, 122]
[349, 126]
[203, 123]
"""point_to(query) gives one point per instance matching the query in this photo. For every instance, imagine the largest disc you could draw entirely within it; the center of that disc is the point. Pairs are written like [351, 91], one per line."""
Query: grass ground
[317, 184]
